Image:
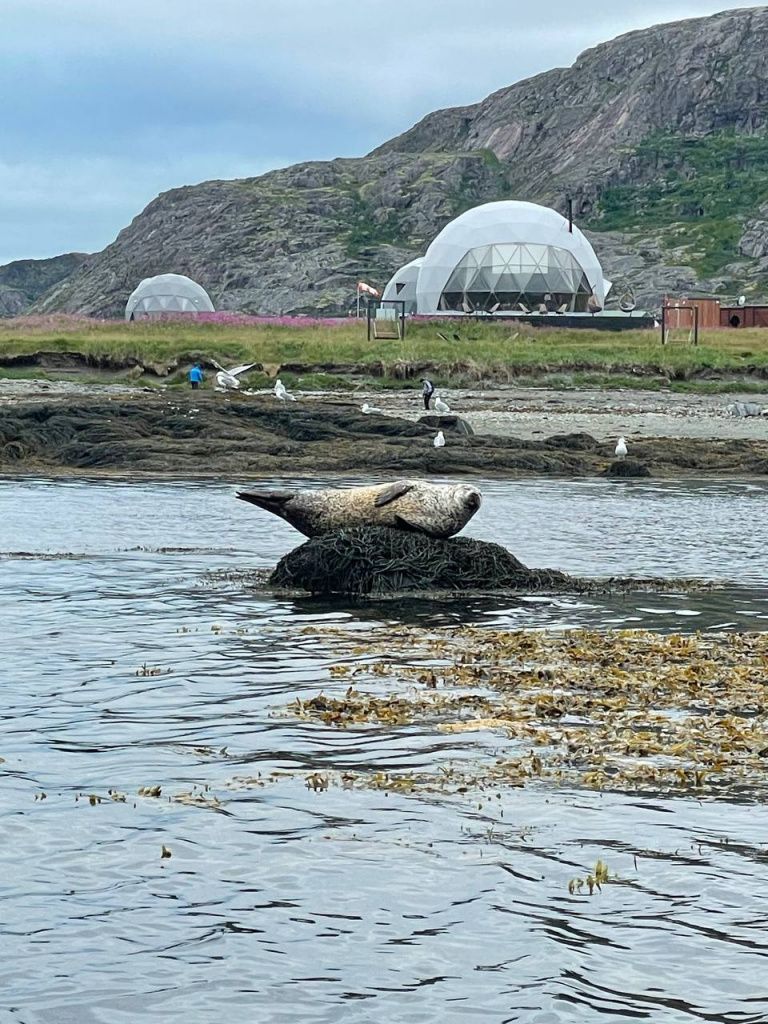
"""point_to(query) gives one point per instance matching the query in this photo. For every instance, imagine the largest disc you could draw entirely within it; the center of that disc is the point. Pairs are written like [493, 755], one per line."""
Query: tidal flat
[206, 435]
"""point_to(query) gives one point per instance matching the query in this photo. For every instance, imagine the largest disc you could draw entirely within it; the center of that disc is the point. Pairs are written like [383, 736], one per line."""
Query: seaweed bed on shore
[200, 436]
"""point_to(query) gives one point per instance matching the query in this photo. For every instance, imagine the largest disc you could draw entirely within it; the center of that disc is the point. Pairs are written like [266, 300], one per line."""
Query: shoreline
[502, 410]
[604, 413]
[489, 408]
[108, 432]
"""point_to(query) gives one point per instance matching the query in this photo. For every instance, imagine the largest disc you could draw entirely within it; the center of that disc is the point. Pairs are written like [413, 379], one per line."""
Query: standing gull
[441, 406]
[621, 448]
[281, 393]
[439, 441]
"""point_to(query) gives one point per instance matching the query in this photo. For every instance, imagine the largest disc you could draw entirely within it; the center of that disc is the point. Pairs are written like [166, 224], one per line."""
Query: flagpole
[362, 287]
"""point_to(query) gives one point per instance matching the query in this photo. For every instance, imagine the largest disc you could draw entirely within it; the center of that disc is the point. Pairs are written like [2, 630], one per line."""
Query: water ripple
[129, 665]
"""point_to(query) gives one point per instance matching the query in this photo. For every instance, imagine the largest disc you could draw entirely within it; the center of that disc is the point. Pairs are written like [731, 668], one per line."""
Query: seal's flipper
[394, 491]
[271, 501]
[405, 524]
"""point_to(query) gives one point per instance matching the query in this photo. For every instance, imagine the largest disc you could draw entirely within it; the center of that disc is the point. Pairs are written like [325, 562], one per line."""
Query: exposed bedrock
[193, 435]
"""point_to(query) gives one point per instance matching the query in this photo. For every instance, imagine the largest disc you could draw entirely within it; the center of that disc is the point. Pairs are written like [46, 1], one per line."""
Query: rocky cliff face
[294, 240]
[572, 130]
[24, 281]
[658, 136]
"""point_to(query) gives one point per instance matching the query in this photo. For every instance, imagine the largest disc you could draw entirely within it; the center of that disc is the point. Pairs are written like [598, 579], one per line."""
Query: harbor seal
[438, 510]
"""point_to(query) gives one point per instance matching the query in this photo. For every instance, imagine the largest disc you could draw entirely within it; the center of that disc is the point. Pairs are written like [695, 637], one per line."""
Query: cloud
[107, 103]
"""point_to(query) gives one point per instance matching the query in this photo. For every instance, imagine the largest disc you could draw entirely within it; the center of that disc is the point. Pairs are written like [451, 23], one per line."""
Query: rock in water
[380, 560]
[627, 468]
[438, 510]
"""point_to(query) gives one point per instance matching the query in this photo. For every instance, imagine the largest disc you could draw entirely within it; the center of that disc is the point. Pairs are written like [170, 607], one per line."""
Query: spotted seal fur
[438, 510]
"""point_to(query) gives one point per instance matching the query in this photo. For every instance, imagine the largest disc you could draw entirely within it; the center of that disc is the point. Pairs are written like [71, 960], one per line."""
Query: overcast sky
[106, 103]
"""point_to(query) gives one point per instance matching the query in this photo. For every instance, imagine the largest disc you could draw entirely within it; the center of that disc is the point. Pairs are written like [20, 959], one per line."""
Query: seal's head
[470, 497]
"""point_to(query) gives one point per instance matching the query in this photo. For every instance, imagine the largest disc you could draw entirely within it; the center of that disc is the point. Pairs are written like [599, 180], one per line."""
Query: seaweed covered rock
[196, 434]
[381, 560]
[627, 469]
[449, 424]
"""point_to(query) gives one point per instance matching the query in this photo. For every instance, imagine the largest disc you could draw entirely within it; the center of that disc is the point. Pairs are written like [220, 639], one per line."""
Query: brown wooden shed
[709, 312]
[744, 316]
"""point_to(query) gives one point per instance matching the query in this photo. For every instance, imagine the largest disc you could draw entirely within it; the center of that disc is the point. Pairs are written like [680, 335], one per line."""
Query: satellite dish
[742, 300]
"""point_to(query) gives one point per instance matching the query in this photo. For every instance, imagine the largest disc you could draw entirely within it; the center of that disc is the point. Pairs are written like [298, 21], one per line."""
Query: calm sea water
[285, 904]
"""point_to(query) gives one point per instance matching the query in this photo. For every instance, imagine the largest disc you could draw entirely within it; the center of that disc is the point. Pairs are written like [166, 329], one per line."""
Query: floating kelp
[356, 708]
[621, 710]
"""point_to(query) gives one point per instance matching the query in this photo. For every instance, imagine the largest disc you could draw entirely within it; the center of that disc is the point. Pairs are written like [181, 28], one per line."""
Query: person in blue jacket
[196, 376]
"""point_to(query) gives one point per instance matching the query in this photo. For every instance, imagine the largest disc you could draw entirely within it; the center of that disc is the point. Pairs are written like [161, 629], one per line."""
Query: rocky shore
[204, 435]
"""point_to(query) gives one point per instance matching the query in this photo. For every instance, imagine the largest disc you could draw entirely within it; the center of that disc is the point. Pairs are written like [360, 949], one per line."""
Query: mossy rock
[381, 560]
[628, 469]
[448, 424]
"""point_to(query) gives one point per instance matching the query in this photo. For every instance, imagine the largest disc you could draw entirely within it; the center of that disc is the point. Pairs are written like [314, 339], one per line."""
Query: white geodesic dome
[402, 285]
[167, 293]
[509, 255]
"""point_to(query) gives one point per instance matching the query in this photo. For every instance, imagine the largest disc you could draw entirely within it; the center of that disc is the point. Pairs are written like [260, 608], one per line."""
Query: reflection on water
[288, 905]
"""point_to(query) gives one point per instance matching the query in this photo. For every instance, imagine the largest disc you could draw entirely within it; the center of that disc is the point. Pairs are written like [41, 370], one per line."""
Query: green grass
[696, 194]
[331, 355]
[366, 231]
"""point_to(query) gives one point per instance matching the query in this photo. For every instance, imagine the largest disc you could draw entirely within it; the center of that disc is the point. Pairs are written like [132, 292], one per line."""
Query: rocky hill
[660, 136]
[24, 281]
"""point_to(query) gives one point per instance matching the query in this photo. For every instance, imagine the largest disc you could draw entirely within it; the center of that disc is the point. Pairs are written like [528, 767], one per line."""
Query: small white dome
[402, 285]
[506, 255]
[167, 293]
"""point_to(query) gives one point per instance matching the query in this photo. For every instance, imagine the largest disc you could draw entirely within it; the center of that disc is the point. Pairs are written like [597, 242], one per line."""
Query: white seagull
[227, 380]
[439, 441]
[281, 393]
[441, 406]
[368, 409]
[621, 448]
